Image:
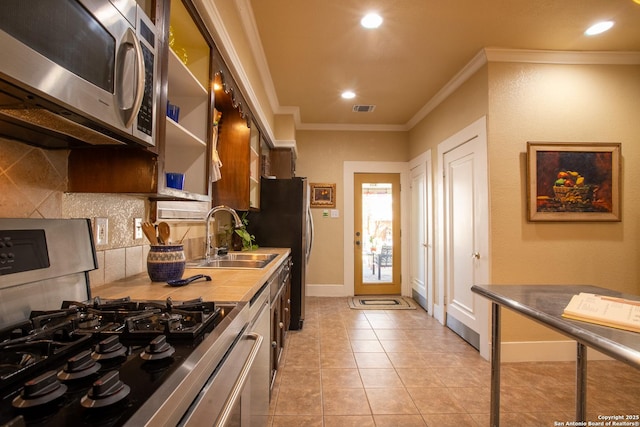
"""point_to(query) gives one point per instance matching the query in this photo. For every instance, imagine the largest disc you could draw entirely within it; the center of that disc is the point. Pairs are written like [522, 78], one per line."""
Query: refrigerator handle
[309, 234]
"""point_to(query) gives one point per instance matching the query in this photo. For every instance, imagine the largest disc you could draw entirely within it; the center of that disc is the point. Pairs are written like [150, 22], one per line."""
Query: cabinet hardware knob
[274, 344]
[281, 325]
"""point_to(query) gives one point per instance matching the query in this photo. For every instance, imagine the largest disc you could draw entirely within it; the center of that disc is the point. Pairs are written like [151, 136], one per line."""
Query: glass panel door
[377, 226]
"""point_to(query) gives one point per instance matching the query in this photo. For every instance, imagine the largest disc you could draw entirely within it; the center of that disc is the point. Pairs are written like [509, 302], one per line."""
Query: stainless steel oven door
[237, 393]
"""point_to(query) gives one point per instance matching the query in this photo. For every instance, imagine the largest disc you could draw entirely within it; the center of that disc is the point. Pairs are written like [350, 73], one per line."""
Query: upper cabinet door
[254, 167]
[239, 151]
[186, 148]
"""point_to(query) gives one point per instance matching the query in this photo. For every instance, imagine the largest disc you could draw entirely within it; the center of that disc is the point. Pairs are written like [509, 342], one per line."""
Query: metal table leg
[581, 383]
[495, 365]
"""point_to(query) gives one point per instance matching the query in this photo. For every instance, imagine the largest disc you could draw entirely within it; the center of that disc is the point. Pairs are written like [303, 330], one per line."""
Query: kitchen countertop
[226, 285]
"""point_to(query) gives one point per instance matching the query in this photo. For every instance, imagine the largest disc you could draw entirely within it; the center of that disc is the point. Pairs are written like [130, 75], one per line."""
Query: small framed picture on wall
[323, 195]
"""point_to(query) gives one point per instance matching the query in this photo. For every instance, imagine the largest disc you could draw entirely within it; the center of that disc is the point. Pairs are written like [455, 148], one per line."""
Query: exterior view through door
[377, 234]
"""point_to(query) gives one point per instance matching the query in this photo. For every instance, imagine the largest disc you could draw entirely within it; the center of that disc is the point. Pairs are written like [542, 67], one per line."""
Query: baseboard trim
[421, 300]
[465, 332]
[326, 291]
[544, 351]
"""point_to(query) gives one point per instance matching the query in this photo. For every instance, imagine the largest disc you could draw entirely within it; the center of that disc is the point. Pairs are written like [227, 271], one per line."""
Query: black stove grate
[49, 340]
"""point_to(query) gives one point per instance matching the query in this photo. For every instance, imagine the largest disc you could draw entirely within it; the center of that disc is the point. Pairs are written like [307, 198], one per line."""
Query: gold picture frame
[323, 195]
[573, 181]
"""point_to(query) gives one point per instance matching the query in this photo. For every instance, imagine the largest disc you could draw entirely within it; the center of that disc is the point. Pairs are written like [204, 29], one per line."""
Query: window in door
[377, 228]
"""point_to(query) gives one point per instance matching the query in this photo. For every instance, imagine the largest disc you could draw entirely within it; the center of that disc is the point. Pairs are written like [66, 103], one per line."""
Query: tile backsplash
[33, 182]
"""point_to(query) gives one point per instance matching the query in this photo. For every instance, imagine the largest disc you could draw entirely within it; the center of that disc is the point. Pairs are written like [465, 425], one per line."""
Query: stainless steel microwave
[76, 72]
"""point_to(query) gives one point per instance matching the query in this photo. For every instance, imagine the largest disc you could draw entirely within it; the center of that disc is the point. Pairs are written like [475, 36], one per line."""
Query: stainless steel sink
[240, 260]
[248, 256]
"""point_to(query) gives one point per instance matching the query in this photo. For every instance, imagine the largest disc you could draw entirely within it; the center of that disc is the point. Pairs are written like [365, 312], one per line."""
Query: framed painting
[573, 181]
[323, 195]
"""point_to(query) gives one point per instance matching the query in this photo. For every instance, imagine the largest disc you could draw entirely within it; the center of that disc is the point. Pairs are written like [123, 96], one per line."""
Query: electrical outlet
[137, 228]
[102, 231]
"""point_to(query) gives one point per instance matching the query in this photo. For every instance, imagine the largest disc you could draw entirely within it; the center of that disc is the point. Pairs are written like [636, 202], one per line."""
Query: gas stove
[95, 363]
[140, 319]
[69, 359]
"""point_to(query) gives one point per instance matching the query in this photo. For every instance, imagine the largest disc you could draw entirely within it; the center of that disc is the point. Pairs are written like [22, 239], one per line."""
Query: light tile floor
[402, 368]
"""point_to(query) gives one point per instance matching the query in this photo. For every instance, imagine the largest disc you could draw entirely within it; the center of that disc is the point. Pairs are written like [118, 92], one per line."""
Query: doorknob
[475, 255]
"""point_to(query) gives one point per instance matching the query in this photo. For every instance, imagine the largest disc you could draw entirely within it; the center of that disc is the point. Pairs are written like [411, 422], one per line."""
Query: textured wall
[579, 103]
[321, 157]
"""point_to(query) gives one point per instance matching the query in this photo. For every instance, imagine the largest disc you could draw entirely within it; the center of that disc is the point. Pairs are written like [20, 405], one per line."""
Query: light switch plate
[102, 231]
[335, 213]
[137, 228]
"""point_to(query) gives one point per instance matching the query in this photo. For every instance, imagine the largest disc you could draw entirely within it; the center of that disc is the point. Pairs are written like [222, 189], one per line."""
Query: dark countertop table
[545, 304]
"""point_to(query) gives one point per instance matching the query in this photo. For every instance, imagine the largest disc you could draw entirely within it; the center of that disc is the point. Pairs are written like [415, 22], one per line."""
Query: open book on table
[603, 310]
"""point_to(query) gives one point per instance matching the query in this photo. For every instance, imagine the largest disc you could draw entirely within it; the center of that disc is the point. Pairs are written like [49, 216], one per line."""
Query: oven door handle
[236, 392]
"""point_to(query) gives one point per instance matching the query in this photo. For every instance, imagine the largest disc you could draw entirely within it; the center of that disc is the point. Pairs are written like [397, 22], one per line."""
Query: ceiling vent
[363, 108]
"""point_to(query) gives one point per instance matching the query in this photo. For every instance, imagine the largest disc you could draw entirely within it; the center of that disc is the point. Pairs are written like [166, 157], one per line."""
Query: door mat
[381, 303]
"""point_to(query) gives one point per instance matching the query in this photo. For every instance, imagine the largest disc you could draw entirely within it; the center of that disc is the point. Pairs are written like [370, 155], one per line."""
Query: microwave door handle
[129, 42]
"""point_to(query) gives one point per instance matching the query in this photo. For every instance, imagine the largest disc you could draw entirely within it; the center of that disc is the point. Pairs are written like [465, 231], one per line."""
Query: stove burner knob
[79, 366]
[40, 390]
[108, 390]
[158, 349]
[109, 348]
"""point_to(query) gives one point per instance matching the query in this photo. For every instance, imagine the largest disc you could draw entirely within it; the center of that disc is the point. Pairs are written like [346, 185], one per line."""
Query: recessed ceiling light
[371, 20]
[599, 28]
[347, 94]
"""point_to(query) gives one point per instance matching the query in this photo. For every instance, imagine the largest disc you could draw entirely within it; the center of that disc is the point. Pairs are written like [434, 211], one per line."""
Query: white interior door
[418, 237]
[466, 233]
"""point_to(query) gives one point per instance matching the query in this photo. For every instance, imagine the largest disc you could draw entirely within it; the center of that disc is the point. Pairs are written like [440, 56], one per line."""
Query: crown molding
[215, 25]
[351, 127]
[287, 143]
[247, 18]
[495, 54]
[462, 76]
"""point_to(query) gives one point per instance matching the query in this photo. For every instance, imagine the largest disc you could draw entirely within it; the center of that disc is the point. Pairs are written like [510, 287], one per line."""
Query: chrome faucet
[207, 220]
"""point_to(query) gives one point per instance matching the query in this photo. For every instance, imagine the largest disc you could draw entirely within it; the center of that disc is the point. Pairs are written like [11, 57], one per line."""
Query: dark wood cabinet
[239, 151]
[282, 163]
[280, 316]
[286, 301]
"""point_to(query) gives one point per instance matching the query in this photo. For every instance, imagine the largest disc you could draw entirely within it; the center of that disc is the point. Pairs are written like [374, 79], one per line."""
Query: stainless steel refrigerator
[284, 221]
